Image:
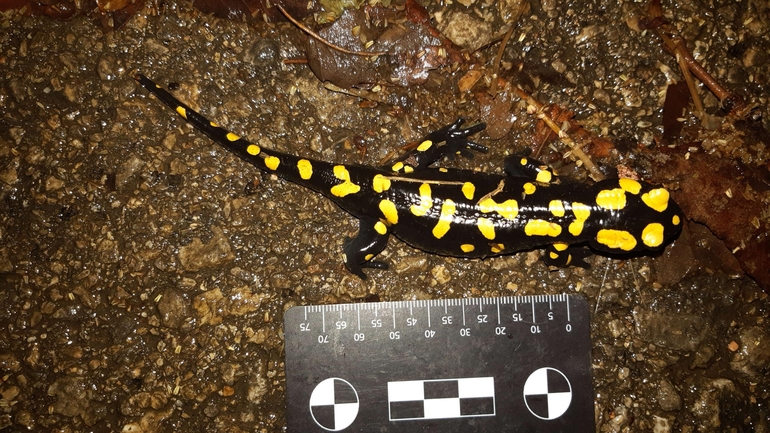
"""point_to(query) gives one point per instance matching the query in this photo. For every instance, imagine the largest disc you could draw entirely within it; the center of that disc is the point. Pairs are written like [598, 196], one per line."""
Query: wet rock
[714, 399]
[668, 397]
[5, 261]
[416, 264]
[466, 30]
[174, 308]
[71, 396]
[660, 424]
[126, 170]
[138, 403]
[211, 306]
[198, 255]
[677, 331]
[441, 274]
[703, 356]
[280, 281]
[151, 422]
[753, 358]
[53, 184]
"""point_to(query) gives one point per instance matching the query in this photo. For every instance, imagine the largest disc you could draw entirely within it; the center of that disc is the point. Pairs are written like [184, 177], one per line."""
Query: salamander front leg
[448, 141]
[528, 168]
[370, 241]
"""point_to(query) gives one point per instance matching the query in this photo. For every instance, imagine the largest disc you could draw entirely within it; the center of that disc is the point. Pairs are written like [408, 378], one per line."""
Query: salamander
[465, 213]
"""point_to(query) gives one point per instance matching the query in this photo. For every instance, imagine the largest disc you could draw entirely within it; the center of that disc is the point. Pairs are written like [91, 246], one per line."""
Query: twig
[731, 102]
[498, 60]
[575, 148]
[318, 37]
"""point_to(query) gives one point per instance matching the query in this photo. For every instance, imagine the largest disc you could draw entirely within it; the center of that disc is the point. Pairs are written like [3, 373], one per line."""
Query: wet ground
[144, 271]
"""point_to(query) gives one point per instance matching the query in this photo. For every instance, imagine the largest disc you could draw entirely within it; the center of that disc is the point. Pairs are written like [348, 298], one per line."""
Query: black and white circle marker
[334, 404]
[547, 393]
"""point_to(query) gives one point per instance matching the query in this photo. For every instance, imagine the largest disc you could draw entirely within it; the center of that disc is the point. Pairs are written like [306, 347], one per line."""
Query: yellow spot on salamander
[448, 209]
[543, 176]
[253, 149]
[523, 161]
[675, 220]
[656, 199]
[425, 145]
[630, 185]
[426, 201]
[497, 248]
[380, 227]
[529, 188]
[388, 209]
[380, 183]
[652, 235]
[468, 190]
[582, 212]
[486, 227]
[397, 166]
[554, 255]
[213, 124]
[408, 169]
[467, 248]
[232, 137]
[443, 169]
[611, 199]
[556, 207]
[346, 187]
[560, 246]
[616, 239]
[368, 257]
[305, 169]
[272, 162]
[182, 112]
[542, 228]
[508, 209]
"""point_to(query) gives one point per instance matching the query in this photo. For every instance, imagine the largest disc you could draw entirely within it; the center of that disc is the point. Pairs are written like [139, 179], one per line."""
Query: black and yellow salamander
[464, 213]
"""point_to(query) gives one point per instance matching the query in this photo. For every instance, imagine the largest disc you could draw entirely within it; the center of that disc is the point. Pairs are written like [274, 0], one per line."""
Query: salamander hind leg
[562, 255]
[447, 142]
[371, 240]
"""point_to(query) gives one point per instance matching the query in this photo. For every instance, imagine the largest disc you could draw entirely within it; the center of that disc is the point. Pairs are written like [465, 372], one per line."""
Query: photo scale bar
[441, 399]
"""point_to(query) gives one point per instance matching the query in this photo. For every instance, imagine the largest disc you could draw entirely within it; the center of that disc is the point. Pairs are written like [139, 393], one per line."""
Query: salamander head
[637, 216]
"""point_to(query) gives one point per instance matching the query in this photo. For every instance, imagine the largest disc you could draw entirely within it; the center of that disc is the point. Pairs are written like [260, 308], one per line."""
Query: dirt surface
[144, 271]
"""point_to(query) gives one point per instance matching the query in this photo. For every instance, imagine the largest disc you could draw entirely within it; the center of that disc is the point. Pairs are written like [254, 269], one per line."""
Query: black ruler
[509, 364]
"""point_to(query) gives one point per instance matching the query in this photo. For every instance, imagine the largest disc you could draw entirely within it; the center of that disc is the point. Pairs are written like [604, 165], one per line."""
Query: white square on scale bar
[475, 387]
[406, 391]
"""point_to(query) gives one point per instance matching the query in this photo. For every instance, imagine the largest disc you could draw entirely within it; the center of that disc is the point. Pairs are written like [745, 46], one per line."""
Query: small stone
[197, 255]
[668, 397]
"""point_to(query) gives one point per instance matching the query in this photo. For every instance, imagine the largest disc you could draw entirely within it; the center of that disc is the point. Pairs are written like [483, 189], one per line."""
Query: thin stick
[318, 37]
[499, 59]
[563, 137]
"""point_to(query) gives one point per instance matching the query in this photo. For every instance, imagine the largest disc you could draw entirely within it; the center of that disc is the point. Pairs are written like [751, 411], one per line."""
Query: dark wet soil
[144, 271]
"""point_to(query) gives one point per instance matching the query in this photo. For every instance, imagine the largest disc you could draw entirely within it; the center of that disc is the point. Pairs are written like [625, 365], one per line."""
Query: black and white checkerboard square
[443, 398]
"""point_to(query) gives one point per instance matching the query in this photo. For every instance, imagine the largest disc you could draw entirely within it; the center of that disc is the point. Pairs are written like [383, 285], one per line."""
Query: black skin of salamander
[451, 218]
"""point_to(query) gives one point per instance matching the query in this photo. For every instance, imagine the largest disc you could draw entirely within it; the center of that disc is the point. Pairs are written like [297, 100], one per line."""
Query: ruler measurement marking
[501, 305]
[533, 311]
